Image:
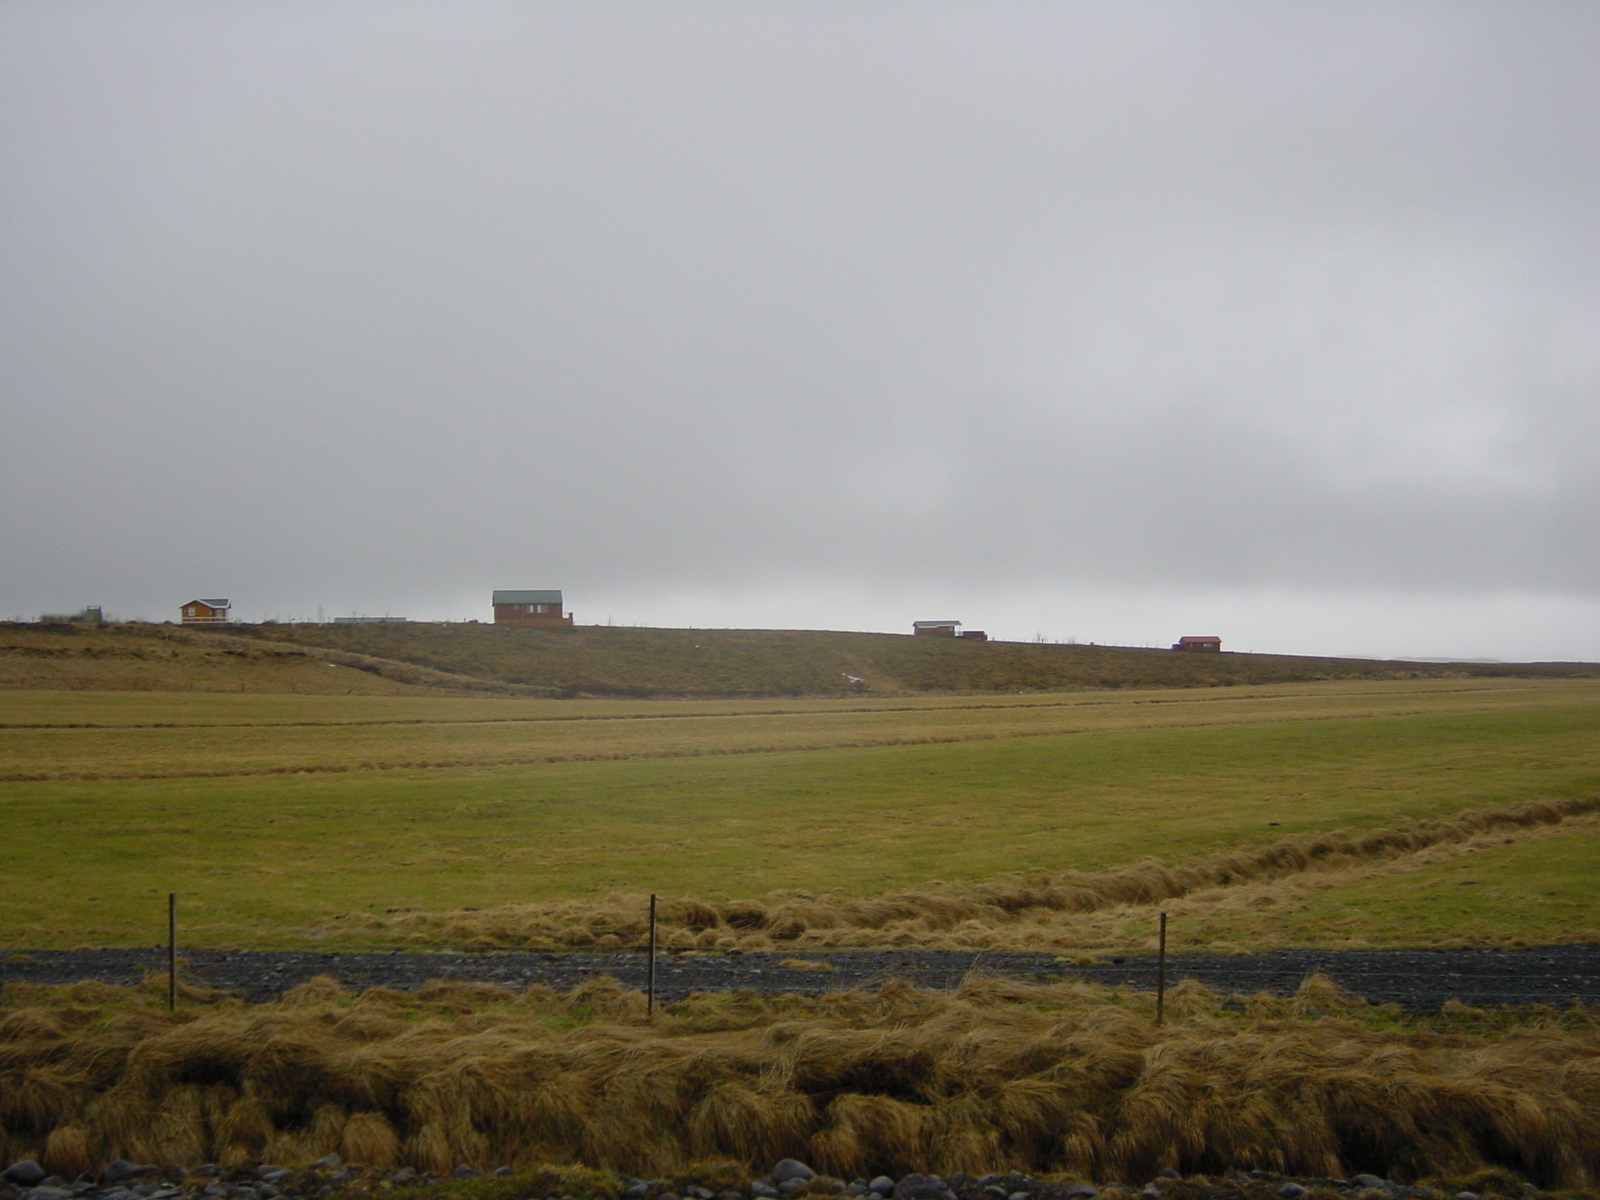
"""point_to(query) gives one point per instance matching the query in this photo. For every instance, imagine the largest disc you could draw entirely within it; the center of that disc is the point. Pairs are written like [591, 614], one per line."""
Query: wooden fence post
[1161, 971]
[172, 951]
[650, 987]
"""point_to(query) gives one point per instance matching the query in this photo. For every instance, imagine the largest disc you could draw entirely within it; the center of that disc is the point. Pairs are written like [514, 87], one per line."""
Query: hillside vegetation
[606, 661]
[157, 658]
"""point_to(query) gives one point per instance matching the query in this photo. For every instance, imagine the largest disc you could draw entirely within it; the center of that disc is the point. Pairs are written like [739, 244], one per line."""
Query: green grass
[1541, 890]
[267, 860]
[104, 736]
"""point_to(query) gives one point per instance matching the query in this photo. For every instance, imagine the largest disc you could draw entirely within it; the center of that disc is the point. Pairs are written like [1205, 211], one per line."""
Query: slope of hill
[606, 661]
[156, 658]
[632, 662]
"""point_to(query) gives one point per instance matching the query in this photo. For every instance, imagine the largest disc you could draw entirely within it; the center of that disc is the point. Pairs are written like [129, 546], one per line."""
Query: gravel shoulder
[331, 1179]
[1419, 980]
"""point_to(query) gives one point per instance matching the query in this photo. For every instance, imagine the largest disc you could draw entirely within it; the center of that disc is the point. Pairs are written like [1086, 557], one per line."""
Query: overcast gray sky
[1106, 321]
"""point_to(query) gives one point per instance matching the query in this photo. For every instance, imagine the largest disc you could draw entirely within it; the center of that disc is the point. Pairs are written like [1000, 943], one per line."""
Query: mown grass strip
[211, 752]
[99, 710]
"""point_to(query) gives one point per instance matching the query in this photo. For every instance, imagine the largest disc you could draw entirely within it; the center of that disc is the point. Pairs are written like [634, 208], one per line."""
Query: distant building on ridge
[206, 612]
[89, 615]
[934, 628]
[1198, 643]
[537, 609]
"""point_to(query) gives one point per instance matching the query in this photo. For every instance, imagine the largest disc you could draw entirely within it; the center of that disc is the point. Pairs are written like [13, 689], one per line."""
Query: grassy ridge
[604, 661]
[152, 658]
[997, 1076]
[607, 662]
[273, 860]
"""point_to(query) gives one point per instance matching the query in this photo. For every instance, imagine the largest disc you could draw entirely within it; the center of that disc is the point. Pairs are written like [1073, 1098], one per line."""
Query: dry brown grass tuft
[748, 1122]
[1061, 1078]
[319, 989]
[66, 1151]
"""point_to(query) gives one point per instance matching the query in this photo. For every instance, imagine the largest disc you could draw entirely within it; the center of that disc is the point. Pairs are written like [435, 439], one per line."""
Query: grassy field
[1020, 820]
[1351, 811]
[101, 736]
[1501, 890]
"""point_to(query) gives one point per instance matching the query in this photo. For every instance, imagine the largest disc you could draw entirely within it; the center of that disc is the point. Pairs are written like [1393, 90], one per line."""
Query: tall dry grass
[1040, 912]
[995, 1076]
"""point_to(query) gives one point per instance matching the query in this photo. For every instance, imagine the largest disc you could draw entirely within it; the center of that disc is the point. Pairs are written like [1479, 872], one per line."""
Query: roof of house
[932, 624]
[1200, 638]
[537, 596]
[214, 603]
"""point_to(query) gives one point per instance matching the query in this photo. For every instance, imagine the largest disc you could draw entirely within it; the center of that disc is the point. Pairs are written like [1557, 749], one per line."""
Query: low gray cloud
[812, 313]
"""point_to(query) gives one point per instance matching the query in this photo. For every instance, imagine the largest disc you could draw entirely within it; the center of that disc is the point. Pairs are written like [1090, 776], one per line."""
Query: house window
[541, 608]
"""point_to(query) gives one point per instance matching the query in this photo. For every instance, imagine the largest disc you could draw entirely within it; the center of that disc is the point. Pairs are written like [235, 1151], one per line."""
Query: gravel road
[1416, 979]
